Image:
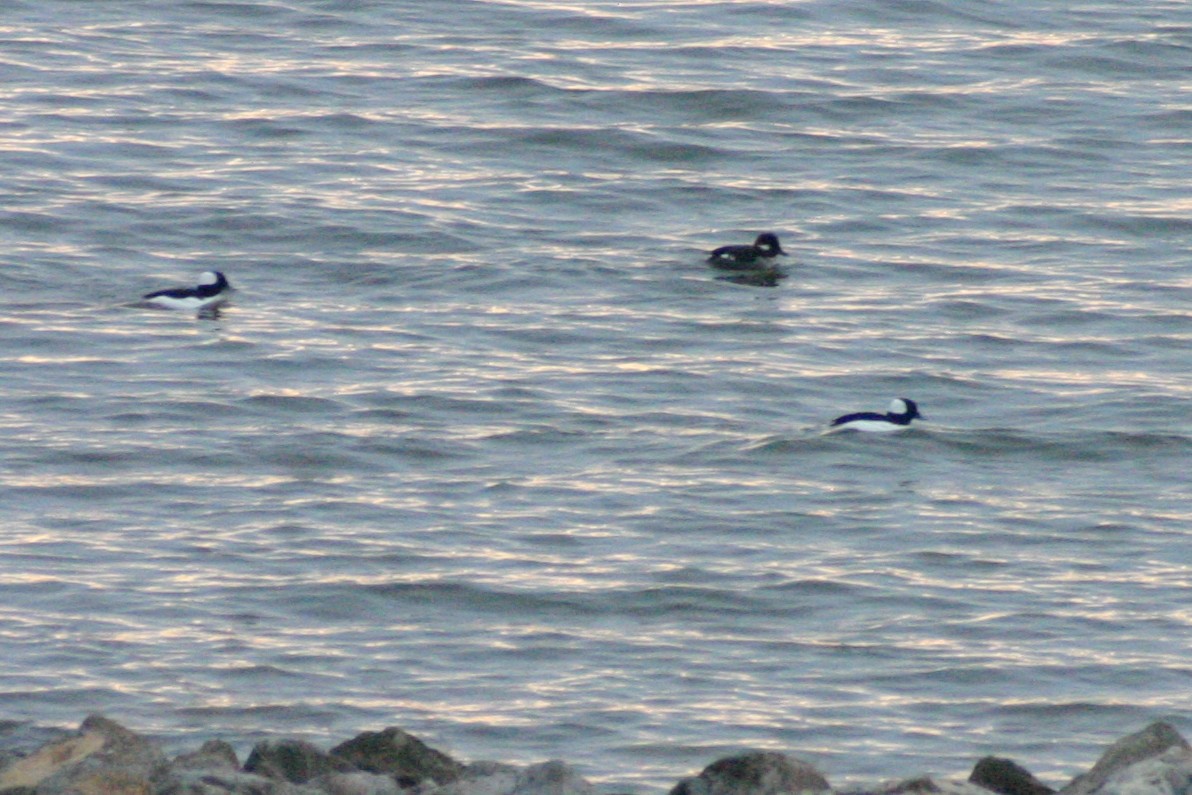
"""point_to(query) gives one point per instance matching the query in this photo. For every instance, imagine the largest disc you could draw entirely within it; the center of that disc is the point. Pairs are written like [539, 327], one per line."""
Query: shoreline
[105, 758]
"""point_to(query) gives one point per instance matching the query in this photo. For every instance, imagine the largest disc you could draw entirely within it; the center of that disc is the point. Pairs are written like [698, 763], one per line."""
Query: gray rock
[1169, 773]
[214, 755]
[754, 773]
[1151, 742]
[294, 761]
[398, 754]
[214, 769]
[1006, 777]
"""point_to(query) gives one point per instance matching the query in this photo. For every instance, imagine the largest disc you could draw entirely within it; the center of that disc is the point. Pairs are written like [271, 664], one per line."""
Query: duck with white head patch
[897, 418]
[747, 257]
[212, 290]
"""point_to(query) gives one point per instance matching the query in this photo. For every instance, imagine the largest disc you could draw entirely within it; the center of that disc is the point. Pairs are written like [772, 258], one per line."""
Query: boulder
[754, 773]
[214, 755]
[1169, 773]
[294, 761]
[400, 755]
[103, 759]
[1153, 741]
[1006, 777]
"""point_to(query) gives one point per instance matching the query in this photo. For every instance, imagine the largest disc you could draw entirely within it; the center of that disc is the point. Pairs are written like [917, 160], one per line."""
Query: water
[483, 450]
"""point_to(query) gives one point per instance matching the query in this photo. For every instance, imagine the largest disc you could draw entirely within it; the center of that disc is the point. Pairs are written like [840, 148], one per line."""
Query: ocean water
[482, 449]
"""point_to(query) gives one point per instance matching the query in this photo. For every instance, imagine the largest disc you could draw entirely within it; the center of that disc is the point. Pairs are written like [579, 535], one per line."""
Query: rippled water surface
[481, 448]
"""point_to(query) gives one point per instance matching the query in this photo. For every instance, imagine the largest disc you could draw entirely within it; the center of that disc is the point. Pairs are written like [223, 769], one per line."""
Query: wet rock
[103, 759]
[400, 755]
[754, 773]
[1006, 777]
[294, 761]
[1109, 774]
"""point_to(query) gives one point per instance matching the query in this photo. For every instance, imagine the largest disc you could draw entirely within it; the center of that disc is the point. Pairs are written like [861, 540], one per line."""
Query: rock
[754, 773]
[209, 782]
[911, 786]
[483, 778]
[491, 778]
[959, 788]
[1169, 773]
[49, 759]
[294, 761]
[926, 784]
[214, 769]
[1006, 777]
[398, 754]
[358, 783]
[104, 759]
[101, 781]
[1151, 742]
[214, 755]
[552, 778]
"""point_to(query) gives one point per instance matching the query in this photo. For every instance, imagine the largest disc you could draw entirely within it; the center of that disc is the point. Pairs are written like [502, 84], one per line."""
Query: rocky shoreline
[105, 758]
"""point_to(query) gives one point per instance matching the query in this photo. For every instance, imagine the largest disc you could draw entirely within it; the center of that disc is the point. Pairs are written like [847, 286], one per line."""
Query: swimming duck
[747, 257]
[212, 290]
[897, 418]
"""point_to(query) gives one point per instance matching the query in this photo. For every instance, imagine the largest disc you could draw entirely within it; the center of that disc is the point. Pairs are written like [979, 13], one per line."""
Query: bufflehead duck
[747, 257]
[897, 418]
[213, 290]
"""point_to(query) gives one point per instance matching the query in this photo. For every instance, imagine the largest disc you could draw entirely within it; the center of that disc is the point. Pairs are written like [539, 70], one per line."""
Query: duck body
[897, 418]
[747, 257]
[212, 290]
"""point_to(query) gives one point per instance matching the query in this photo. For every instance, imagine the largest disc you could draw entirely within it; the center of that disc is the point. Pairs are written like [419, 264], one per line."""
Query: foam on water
[482, 449]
